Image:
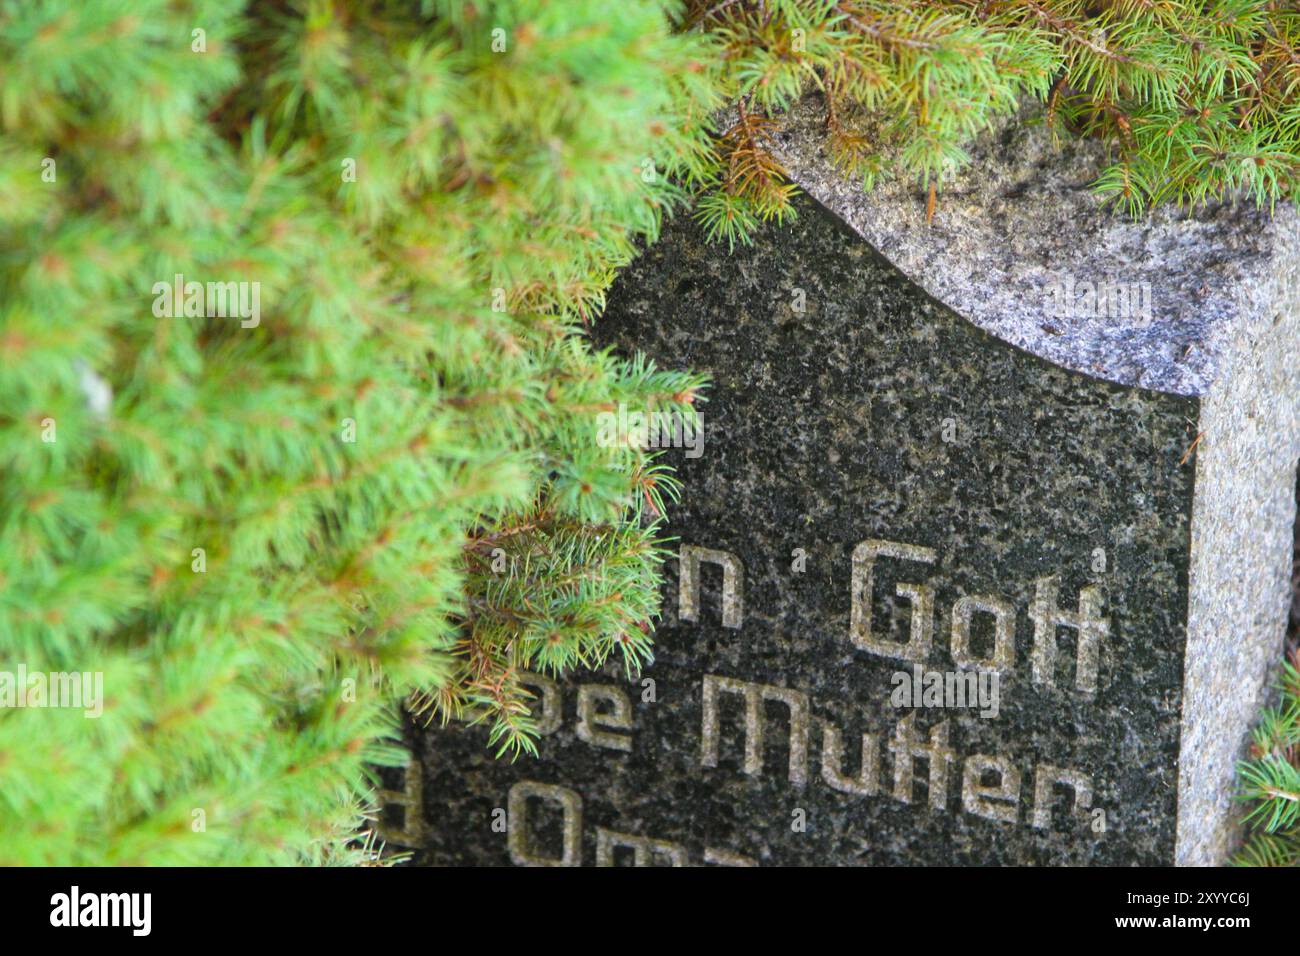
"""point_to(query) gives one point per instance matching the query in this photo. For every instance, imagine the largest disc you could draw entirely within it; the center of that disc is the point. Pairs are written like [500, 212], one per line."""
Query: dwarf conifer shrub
[297, 413]
[1195, 99]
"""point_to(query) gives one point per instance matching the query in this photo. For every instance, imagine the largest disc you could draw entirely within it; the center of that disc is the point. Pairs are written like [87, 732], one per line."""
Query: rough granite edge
[1023, 217]
[1239, 589]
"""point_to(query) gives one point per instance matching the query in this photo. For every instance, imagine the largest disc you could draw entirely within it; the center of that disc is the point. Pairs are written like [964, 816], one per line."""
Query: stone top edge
[1022, 247]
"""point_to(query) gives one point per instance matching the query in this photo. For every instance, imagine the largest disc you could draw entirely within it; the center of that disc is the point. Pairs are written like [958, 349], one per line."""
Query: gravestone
[971, 568]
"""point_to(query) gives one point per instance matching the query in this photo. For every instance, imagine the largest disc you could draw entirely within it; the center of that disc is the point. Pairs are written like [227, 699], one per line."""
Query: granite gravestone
[939, 598]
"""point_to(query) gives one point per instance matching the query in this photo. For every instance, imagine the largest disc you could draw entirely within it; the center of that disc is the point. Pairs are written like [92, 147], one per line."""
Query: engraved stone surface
[892, 499]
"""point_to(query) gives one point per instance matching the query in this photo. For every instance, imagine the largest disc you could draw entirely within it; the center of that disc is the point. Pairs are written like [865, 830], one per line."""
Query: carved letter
[726, 857]
[733, 584]
[917, 647]
[754, 695]
[867, 780]
[1004, 634]
[411, 799]
[1087, 621]
[906, 745]
[1045, 777]
[590, 718]
[644, 849]
[549, 721]
[996, 802]
[521, 852]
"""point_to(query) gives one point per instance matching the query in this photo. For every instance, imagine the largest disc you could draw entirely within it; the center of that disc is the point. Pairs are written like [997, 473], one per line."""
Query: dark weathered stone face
[886, 488]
